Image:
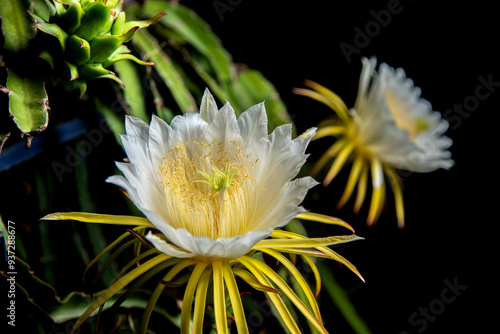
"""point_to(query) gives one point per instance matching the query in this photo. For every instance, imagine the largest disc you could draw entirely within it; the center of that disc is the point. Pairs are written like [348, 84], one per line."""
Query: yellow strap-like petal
[320, 98]
[337, 103]
[187, 301]
[338, 163]
[108, 249]
[303, 251]
[200, 301]
[219, 298]
[137, 259]
[316, 273]
[234, 294]
[362, 185]
[324, 219]
[375, 206]
[299, 278]
[323, 250]
[275, 298]
[283, 286]
[330, 130]
[326, 97]
[253, 282]
[378, 194]
[306, 242]
[339, 258]
[329, 154]
[357, 166]
[99, 218]
[398, 199]
[159, 290]
[398, 195]
[120, 284]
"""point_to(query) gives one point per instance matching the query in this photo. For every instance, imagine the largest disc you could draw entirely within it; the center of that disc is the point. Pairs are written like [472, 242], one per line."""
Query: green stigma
[422, 124]
[218, 180]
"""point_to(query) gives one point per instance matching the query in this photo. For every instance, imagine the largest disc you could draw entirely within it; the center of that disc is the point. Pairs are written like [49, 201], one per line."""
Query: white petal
[160, 219]
[300, 144]
[277, 197]
[377, 174]
[130, 173]
[364, 81]
[190, 127]
[277, 147]
[140, 161]
[279, 162]
[161, 140]
[281, 212]
[136, 149]
[135, 126]
[224, 129]
[223, 247]
[121, 182]
[142, 198]
[253, 126]
[309, 133]
[167, 248]
[208, 108]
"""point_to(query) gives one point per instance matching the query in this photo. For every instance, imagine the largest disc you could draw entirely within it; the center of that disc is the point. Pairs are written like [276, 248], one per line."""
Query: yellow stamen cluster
[400, 111]
[216, 206]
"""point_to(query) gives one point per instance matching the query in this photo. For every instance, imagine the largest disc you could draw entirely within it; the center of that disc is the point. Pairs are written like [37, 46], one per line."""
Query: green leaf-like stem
[16, 26]
[28, 103]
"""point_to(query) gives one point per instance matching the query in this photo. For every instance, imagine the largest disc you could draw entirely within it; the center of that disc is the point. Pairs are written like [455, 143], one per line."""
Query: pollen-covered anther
[208, 188]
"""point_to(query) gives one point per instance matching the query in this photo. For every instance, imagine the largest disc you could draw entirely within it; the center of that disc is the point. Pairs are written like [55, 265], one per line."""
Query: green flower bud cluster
[91, 34]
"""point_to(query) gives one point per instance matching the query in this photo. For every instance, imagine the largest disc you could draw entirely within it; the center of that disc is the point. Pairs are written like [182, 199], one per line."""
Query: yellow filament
[216, 206]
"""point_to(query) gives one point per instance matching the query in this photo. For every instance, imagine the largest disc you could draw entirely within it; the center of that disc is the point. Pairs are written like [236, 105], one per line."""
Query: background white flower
[390, 127]
[395, 124]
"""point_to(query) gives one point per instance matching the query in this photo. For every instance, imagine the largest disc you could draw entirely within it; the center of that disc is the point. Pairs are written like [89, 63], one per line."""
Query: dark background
[450, 215]
[450, 220]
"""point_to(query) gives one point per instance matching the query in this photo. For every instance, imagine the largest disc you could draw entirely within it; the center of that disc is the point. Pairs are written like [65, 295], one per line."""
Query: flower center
[404, 120]
[218, 180]
[218, 204]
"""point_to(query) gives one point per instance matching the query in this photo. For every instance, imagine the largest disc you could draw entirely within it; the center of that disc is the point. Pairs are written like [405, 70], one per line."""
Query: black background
[450, 215]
